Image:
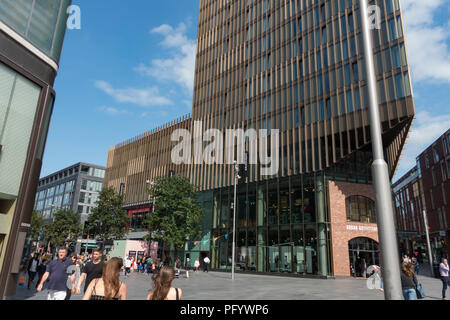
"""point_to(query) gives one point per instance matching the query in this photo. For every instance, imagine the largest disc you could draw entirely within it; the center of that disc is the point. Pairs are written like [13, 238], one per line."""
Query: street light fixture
[381, 181]
[236, 178]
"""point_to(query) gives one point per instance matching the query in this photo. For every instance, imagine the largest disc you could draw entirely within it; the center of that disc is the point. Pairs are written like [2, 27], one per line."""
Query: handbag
[420, 292]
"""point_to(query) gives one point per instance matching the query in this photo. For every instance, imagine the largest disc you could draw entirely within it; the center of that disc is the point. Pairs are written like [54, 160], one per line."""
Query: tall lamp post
[236, 178]
[150, 184]
[381, 181]
[427, 234]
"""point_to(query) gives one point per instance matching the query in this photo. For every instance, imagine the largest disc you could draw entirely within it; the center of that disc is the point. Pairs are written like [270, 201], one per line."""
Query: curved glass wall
[42, 22]
[279, 230]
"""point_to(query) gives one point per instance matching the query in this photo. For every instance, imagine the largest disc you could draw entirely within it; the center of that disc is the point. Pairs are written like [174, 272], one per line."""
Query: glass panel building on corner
[31, 39]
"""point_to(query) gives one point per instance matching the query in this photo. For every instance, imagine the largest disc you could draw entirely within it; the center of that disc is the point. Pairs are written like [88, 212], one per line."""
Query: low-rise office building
[75, 188]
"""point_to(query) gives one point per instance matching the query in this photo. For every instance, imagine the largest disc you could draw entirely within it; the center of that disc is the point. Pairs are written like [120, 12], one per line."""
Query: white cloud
[113, 111]
[143, 97]
[428, 52]
[180, 65]
[425, 130]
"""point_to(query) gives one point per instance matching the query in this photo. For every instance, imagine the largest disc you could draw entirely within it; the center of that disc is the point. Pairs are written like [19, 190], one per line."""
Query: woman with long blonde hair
[108, 287]
[162, 286]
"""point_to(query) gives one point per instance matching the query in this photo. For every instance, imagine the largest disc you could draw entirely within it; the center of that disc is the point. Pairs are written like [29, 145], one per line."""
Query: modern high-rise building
[296, 66]
[31, 39]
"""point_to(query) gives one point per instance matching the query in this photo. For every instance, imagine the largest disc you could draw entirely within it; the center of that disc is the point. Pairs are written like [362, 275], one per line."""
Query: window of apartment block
[444, 217]
[432, 199]
[443, 193]
[416, 189]
[441, 222]
[435, 154]
[444, 176]
[433, 175]
[445, 145]
[448, 167]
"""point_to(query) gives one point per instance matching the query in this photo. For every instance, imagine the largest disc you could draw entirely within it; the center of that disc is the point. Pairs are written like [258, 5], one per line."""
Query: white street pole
[381, 182]
[236, 177]
[430, 255]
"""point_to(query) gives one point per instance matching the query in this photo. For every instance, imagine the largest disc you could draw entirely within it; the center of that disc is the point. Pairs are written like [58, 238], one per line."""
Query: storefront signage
[361, 228]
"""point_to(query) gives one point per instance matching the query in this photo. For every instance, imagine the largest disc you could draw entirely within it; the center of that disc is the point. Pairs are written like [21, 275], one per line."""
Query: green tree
[177, 216]
[108, 220]
[37, 225]
[66, 226]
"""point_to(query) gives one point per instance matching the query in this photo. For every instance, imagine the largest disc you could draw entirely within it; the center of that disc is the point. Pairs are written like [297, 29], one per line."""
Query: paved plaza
[219, 286]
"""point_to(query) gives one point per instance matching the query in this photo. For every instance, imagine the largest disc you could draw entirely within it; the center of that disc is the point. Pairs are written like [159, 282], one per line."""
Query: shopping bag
[420, 292]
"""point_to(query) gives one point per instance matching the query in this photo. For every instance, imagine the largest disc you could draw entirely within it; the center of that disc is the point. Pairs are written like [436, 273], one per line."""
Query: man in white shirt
[127, 263]
[206, 264]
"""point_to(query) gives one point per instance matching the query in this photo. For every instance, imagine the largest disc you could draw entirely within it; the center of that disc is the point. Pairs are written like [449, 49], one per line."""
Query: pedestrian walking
[178, 267]
[108, 287]
[206, 262]
[92, 270]
[32, 267]
[149, 263]
[57, 271]
[415, 263]
[196, 265]
[188, 264]
[162, 286]
[443, 271]
[41, 270]
[128, 264]
[72, 281]
[409, 281]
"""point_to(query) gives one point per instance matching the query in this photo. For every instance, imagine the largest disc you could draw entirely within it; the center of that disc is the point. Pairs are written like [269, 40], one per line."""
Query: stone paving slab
[219, 286]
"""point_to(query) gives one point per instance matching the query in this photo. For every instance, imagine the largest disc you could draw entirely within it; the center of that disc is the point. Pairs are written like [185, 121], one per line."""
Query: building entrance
[363, 252]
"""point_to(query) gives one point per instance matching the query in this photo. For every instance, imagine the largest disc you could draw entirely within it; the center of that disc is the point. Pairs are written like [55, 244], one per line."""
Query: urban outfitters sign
[362, 228]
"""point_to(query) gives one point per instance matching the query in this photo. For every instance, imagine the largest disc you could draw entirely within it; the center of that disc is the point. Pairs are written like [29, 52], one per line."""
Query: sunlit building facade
[297, 66]
[31, 39]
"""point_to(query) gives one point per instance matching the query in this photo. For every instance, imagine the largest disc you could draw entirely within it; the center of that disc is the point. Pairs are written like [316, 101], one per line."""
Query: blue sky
[131, 67]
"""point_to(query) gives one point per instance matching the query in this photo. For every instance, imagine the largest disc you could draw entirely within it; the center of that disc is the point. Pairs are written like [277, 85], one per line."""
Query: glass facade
[42, 22]
[302, 68]
[18, 103]
[280, 227]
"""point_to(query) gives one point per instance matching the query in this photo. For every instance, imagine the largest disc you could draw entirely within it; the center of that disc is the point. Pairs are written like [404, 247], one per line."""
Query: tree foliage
[108, 220]
[177, 216]
[37, 225]
[64, 227]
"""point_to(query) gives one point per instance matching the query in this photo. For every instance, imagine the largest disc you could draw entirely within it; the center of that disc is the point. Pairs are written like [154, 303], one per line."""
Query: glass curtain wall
[280, 229]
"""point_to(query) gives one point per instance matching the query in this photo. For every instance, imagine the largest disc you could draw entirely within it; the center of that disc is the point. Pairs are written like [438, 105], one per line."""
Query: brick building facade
[426, 189]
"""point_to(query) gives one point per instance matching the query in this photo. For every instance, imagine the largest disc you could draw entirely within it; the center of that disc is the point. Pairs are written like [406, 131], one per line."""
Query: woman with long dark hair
[108, 287]
[162, 286]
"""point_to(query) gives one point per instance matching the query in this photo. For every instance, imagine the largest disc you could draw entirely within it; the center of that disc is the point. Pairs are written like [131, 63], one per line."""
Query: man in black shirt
[92, 270]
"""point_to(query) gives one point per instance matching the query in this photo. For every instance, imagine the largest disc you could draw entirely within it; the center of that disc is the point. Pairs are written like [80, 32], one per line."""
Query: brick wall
[340, 232]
